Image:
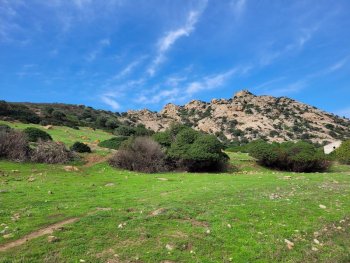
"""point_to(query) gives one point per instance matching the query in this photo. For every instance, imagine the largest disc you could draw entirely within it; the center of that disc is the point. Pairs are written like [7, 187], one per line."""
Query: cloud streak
[103, 43]
[169, 39]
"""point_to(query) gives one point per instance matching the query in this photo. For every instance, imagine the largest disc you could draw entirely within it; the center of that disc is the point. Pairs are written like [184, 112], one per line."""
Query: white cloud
[169, 39]
[338, 65]
[209, 83]
[128, 69]
[305, 35]
[294, 87]
[238, 7]
[180, 89]
[111, 102]
[99, 48]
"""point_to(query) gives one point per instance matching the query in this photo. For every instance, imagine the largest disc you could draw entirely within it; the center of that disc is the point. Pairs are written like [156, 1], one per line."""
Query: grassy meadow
[251, 215]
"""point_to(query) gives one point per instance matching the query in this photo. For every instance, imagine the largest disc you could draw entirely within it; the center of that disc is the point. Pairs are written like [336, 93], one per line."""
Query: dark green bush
[342, 154]
[197, 152]
[124, 131]
[290, 156]
[113, 143]
[163, 138]
[35, 134]
[80, 147]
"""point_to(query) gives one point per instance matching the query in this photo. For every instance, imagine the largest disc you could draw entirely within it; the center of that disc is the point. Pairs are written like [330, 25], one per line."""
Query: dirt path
[93, 159]
[41, 232]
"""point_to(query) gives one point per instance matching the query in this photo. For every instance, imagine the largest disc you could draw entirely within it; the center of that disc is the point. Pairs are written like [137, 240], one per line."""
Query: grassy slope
[65, 134]
[193, 203]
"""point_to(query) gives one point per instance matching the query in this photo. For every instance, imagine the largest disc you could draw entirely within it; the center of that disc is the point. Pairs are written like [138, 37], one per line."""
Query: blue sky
[133, 54]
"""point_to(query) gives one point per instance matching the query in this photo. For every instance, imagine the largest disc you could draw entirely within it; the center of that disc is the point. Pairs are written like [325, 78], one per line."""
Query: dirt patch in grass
[41, 232]
[195, 222]
[92, 159]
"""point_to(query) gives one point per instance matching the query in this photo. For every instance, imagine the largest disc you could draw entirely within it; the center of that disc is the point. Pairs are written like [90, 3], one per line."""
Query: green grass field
[246, 216]
[65, 134]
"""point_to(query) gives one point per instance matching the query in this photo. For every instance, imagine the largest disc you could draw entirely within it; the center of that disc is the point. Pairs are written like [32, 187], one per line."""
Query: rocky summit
[249, 117]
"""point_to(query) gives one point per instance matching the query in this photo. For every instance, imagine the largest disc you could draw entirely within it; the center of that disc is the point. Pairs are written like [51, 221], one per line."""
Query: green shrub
[35, 134]
[290, 156]
[124, 131]
[141, 130]
[163, 138]
[113, 143]
[342, 154]
[197, 152]
[80, 147]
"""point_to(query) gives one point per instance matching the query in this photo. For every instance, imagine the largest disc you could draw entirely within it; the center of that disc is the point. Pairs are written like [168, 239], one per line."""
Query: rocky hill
[249, 117]
[244, 117]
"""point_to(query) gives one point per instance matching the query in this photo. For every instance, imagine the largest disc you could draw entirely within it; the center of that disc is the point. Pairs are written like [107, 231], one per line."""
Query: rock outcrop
[248, 117]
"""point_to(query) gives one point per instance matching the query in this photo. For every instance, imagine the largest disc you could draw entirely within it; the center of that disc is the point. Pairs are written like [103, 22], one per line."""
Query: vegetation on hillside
[35, 134]
[290, 156]
[343, 152]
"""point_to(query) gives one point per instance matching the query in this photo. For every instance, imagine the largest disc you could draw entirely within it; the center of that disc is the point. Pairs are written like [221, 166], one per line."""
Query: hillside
[244, 117]
[249, 117]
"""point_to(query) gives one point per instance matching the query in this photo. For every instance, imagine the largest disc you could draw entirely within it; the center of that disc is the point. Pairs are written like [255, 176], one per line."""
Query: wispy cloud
[110, 101]
[209, 83]
[169, 39]
[287, 89]
[338, 65]
[128, 69]
[99, 48]
[178, 90]
[238, 7]
[305, 35]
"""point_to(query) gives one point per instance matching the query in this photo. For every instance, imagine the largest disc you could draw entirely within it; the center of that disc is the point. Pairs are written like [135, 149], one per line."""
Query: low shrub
[80, 147]
[14, 146]
[51, 152]
[141, 154]
[113, 143]
[342, 154]
[35, 134]
[4, 128]
[290, 156]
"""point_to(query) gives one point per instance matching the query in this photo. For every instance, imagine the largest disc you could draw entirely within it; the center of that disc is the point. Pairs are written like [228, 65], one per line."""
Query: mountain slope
[250, 117]
[244, 117]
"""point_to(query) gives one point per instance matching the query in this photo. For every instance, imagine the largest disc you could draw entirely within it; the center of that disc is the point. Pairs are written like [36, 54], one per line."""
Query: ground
[100, 214]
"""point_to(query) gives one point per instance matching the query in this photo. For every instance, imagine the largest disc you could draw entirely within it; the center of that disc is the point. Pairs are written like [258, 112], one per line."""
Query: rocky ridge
[248, 117]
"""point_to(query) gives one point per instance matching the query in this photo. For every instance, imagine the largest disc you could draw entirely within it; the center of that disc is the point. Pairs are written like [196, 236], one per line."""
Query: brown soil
[41, 232]
[92, 159]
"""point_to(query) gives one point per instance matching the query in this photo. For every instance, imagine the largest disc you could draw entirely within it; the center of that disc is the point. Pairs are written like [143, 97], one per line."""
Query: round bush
[113, 143]
[141, 154]
[80, 147]
[35, 134]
